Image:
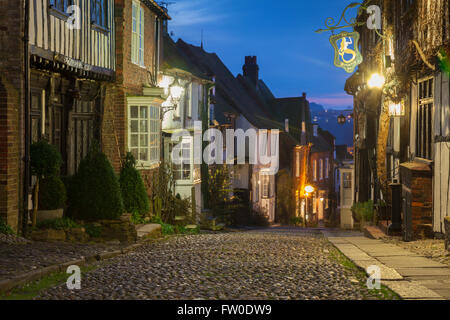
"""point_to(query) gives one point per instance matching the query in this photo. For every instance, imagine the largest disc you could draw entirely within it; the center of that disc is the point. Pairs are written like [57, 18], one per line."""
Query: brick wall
[417, 178]
[11, 102]
[130, 79]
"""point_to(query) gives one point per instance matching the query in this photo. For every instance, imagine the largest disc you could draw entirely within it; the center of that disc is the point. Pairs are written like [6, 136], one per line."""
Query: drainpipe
[27, 173]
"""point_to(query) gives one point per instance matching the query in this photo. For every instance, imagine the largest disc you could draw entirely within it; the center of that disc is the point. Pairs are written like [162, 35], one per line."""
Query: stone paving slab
[422, 272]
[411, 290]
[410, 262]
[393, 253]
[385, 272]
[408, 274]
[353, 252]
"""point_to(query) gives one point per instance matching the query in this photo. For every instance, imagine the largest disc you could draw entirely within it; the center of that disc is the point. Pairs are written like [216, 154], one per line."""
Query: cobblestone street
[280, 264]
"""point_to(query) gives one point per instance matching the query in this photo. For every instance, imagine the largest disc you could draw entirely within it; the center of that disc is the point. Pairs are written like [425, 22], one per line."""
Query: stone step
[373, 232]
[149, 231]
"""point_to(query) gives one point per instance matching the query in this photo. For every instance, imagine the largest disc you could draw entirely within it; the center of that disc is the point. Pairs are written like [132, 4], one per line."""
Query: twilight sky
[292, 57]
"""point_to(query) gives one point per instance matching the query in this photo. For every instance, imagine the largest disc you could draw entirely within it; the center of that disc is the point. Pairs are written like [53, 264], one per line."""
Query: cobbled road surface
[266, 264]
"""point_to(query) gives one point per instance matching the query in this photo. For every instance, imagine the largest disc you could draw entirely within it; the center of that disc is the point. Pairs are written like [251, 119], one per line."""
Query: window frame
[190, 141]
[60, 5]
[327, 168]
[265, 186]
[347, 180]
[103, 23]
[151, 117]
[315, 170]
[424, 118]
[321, 168]
[137, 34]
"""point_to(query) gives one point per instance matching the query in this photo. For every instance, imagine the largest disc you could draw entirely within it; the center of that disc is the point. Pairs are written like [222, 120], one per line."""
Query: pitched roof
[342, 153]
[160, 11]
[175, 58]
[232, 96]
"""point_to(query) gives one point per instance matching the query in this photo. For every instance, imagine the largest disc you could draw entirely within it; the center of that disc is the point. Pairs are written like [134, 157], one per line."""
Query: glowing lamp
[176, 91]
[309, 189]
[397, 109]
[341, 119]
[376, 81]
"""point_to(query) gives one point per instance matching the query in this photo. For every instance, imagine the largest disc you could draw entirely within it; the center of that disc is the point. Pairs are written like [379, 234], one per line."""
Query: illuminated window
[297, 164]
[183, 171]
[327, 168]
[315, 170]
[144, 137]
[266, 186]
[347, 177]
[321, 169]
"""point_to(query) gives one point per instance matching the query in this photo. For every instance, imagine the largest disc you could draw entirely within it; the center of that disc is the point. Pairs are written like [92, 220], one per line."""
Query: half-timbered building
[402, 130]
[72, 54]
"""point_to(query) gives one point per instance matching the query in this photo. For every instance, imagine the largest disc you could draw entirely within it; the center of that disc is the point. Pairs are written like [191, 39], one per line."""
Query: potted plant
[52, 198]
[45, 165]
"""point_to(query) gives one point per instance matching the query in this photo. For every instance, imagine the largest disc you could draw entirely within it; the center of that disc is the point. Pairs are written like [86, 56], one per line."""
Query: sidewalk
[408, 274]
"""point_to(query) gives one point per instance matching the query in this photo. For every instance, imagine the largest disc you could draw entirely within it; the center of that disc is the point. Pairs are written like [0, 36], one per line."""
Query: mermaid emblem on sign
[346, 51]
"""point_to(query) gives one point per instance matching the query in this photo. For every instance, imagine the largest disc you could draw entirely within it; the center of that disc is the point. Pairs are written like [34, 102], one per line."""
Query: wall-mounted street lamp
[376, 81]
[309, 189]
[176, 91]
[397, 109]
[342, 120]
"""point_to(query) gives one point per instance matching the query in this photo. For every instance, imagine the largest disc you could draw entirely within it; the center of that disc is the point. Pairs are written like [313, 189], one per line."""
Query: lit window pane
[134, 112]
[144, 140]
[144, 112]
[144, 126]
[143, 154]
[134, 126]
[134, 140]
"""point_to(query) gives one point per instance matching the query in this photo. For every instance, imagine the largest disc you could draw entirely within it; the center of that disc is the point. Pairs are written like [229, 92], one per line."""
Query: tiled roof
[232, 95]
[174, 58]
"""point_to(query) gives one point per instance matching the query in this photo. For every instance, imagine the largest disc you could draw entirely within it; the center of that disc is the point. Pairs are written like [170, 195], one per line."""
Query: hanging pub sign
[346, 44]
[346, 50]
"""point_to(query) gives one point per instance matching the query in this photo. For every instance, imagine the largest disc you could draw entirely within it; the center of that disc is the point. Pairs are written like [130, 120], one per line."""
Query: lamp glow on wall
[397, 109]
[376, 81]
[176, 91]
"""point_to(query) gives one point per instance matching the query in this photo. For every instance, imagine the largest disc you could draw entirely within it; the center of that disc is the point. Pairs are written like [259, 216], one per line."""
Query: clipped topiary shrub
[94, 192]
[45, 159]
[134, 194]
[52, 193]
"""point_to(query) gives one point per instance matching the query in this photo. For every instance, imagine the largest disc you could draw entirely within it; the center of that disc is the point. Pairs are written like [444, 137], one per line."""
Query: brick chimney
[251, 69]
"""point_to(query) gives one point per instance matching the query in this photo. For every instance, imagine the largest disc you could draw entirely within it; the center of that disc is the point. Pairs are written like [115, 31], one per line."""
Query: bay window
[144, 133]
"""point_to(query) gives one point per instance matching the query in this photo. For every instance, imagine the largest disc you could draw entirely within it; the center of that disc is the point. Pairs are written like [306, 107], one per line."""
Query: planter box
[43, 215]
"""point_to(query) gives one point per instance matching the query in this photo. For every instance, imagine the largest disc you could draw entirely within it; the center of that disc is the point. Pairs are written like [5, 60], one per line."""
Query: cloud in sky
[341, 100]
[190, 13]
